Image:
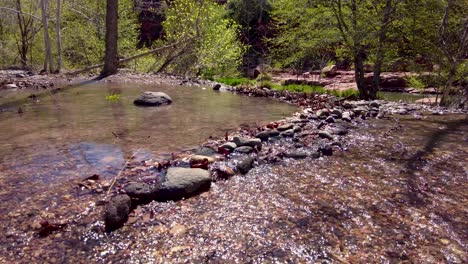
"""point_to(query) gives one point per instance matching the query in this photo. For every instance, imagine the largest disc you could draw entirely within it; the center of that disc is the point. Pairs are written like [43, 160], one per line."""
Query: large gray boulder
[183, 183]
[117, 211]
[153, 99]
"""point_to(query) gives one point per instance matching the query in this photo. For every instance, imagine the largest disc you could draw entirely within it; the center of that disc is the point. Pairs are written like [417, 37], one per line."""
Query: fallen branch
[121, 171]
[89, 68]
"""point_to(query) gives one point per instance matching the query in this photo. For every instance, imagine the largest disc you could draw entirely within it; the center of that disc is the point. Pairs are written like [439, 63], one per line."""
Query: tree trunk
[359, 75]
[445, 95]
[111, 60]
[48, 64]
[23, 26]
[59, 37]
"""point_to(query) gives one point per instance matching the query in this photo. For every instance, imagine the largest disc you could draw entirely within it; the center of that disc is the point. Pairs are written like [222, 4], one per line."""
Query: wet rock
[296, 155]
[263, 136]
[245, 165]
[360, 110]
[323, 113]
[325, 134]
[297, 129]
[244, 150]
[139, 191]
[183, 183]
[117, 211]
[274, 133]
[375, 104]
[251, 142]
[285, 127]
[288, 133]
[340, 131]
[373, 113]
[315, 155]
[153, 99]
[229, 146]
[338, 113]
[346, 116]
[326, 150]
[313, 117]
[200, 158]
[11, 86]
[217, 87]
[205, 151]
[330, 119]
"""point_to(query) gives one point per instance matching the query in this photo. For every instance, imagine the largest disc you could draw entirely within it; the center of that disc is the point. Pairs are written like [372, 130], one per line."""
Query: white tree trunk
[48, 64]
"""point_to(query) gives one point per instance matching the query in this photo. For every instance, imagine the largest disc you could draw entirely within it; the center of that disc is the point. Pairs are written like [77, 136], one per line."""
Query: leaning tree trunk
[59, 37]
[359, 75]
[48, 64]
[111, 60]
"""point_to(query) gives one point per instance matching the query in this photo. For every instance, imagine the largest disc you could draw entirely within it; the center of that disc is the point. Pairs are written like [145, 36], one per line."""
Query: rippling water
[398, 195]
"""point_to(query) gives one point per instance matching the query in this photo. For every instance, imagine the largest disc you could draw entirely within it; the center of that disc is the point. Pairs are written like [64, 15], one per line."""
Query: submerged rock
[296, 155]
[245, 165]
[325, 134]
[153, 99]
[183, 183]
[326, 150]
[117, 211]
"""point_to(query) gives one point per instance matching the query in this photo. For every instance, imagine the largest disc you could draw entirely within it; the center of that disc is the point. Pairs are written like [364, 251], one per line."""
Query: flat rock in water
[325, 134]
[153, 99]
[117, 212]
[183, 183]
[251, 142]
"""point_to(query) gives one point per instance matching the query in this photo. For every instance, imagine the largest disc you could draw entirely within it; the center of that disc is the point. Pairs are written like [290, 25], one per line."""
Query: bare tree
[48, 63]
[59, 36]
[111, 60]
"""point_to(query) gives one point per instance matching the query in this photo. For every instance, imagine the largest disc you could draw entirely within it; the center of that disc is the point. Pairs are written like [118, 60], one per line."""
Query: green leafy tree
[207, 41]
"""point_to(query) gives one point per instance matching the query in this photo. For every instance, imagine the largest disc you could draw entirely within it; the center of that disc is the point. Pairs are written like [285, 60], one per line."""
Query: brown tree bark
[111, 60]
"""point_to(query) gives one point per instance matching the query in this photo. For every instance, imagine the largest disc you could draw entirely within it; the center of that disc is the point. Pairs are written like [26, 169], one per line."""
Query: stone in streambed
[326, 150]
[296, 155]
[140, 192]
[251, 142]
[245, 165]
[285, 127]
[183, 183]
[117, 211]
[153, 99]
[244, 149]
[229, 146]
[325, 134]
[288, 133]
[201, 158]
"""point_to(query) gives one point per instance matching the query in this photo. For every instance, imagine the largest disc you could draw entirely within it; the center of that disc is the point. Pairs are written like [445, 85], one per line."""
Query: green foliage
[113, 97]
[235, 81]
[303, 88]
[209, 40]
[415, 82]
[307, 35]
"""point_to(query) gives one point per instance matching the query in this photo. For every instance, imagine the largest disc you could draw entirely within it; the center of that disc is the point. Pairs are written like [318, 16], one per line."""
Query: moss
[235, 81]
